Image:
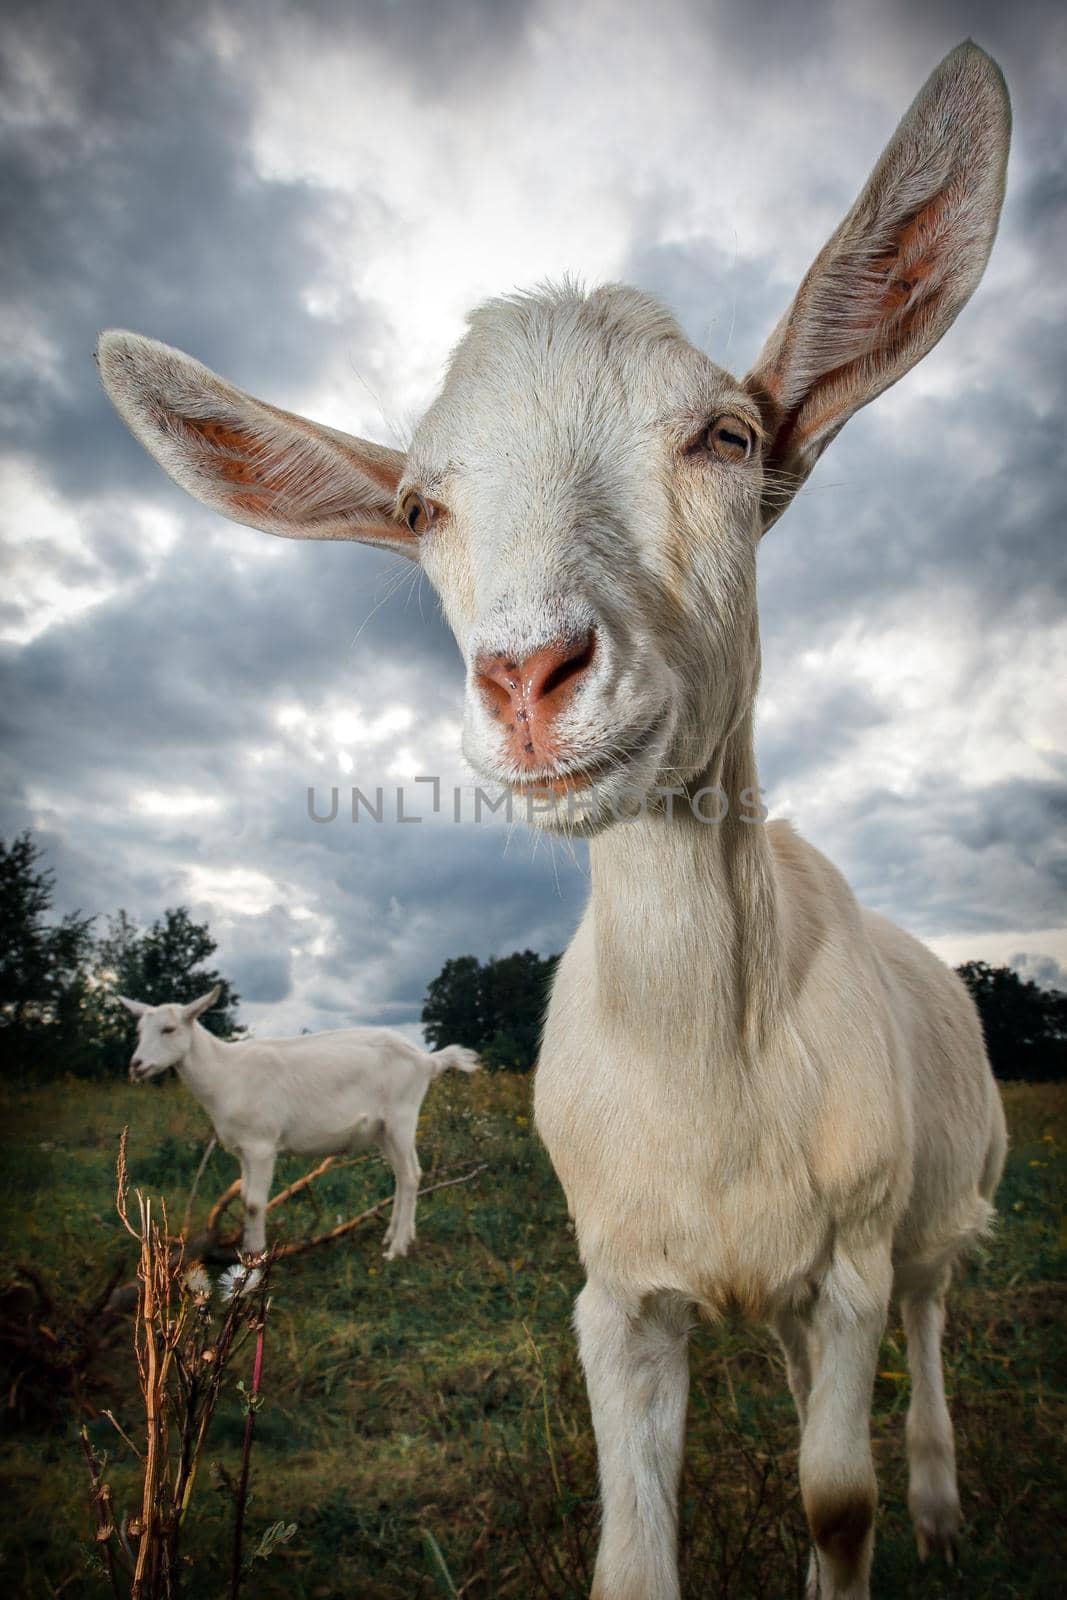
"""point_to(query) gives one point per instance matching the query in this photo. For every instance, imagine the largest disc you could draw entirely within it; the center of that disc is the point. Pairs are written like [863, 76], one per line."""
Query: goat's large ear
[892, 279]
[136, 1008]
[196, 1008]
[248, 460]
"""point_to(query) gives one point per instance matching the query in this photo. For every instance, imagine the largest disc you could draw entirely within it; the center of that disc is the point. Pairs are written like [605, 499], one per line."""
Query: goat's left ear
[892, 279]
[196, 1008]
[248, 460]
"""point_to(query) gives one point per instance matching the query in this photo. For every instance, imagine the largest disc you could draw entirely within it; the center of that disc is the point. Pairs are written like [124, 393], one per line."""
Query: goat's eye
[730, 439]
[168, 1030]
[418, 513]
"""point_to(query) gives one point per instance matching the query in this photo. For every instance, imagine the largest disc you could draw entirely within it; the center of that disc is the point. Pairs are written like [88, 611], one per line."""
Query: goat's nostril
[572, 667]
[495, 692]
[526, 688]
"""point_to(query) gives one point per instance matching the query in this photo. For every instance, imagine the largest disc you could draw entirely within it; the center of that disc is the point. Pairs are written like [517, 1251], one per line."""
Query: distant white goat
[320, 1095]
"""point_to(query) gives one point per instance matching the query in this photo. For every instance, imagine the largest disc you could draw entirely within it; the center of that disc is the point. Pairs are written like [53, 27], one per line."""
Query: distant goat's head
[588, 491]
[164, 1033]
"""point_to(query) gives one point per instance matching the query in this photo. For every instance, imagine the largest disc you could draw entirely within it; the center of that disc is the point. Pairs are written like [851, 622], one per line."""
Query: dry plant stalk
[183, 1348]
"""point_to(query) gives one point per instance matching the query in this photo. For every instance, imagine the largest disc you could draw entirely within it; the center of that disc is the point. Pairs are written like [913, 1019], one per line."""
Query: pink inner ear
[332, 486]
[913, 258]
[891, 315]
[236, 454]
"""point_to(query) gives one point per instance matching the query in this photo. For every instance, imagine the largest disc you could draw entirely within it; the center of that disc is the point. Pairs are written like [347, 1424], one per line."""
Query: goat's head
[588, 491]
[164, 1033]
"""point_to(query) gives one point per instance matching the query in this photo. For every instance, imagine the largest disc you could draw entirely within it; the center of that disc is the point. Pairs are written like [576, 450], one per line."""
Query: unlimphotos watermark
[401, 803]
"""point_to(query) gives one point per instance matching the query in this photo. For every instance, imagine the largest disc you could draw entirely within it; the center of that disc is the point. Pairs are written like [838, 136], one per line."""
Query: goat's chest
[678, 1176]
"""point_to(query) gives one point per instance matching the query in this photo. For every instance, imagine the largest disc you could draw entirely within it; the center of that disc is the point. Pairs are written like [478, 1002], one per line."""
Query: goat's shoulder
[820, 917]
[841, 1005]
[804, 873]
[935, 1010]
[912, 966]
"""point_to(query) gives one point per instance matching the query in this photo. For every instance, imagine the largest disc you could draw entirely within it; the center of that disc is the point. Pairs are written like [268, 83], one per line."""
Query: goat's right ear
[890, 281]
[196, 1008]
[136, 1008]
[248, 460]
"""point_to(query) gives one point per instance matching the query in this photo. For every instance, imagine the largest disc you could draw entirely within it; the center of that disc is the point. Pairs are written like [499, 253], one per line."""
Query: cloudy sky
[308, 198]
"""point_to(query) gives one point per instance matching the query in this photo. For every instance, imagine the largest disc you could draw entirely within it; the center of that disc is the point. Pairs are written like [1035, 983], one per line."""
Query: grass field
[425, 1425]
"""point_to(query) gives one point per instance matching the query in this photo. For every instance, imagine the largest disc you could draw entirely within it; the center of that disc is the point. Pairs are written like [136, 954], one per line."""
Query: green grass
[424, 1421]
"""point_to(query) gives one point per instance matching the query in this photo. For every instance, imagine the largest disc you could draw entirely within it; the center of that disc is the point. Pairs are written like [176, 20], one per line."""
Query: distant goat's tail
[454, 1055]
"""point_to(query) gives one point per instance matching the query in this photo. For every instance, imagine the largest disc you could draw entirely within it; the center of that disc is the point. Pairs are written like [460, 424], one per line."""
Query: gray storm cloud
[307, 198]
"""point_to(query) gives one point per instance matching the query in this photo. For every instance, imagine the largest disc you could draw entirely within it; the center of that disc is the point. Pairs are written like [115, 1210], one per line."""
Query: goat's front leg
[795, 1340]
[636, 1361]
[836, 1471]
[257, 1174]
[933, 1497]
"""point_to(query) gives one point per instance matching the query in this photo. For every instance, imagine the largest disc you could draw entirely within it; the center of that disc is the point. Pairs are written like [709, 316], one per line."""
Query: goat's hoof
[937, 1528]
[394, 1251]
[948, 1545]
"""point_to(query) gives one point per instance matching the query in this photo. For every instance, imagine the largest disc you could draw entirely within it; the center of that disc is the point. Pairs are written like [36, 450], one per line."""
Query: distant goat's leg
[636, 1362]
[933, 1498]
[836, 1471]
[394, 1209]
[257, 1174]
[402, 1156]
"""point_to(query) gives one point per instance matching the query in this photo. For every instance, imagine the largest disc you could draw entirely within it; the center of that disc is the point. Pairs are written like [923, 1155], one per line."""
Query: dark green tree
[58, 987]
[496, 1007]
[516, 989]
[162, 963]
[1025, 1026]
[451, 1012]
[42, 965]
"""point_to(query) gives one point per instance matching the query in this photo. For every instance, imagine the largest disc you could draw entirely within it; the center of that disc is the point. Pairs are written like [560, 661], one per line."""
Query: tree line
[497, 1008]
[59, 979]
[1025, 1025]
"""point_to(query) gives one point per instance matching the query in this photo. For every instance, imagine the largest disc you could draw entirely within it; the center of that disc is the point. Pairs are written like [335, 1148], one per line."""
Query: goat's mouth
[560, 781]
[575, 780]
[142, 1074]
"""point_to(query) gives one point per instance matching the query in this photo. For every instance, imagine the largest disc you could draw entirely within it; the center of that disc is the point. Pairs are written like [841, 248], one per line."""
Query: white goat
[754, 1093]
[323, 1094]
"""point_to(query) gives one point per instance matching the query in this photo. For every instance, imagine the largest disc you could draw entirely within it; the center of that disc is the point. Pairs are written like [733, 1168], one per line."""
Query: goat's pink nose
[528, 693]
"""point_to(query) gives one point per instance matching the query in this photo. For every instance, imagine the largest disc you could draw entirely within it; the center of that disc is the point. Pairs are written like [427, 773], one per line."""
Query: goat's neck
[203, 1068]
[686, 920]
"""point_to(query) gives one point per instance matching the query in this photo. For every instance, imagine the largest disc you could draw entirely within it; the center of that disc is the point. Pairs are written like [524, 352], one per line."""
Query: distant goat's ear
[250, 461]
[892, 279]
[136, 1008]
[196, 1008]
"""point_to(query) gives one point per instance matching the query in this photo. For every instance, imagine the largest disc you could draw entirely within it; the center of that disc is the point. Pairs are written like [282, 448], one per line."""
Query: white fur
[322, 1094]
[755, 1093]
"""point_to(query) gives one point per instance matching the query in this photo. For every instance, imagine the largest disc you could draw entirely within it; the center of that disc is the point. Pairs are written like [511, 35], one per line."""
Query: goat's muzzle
[527, 694]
